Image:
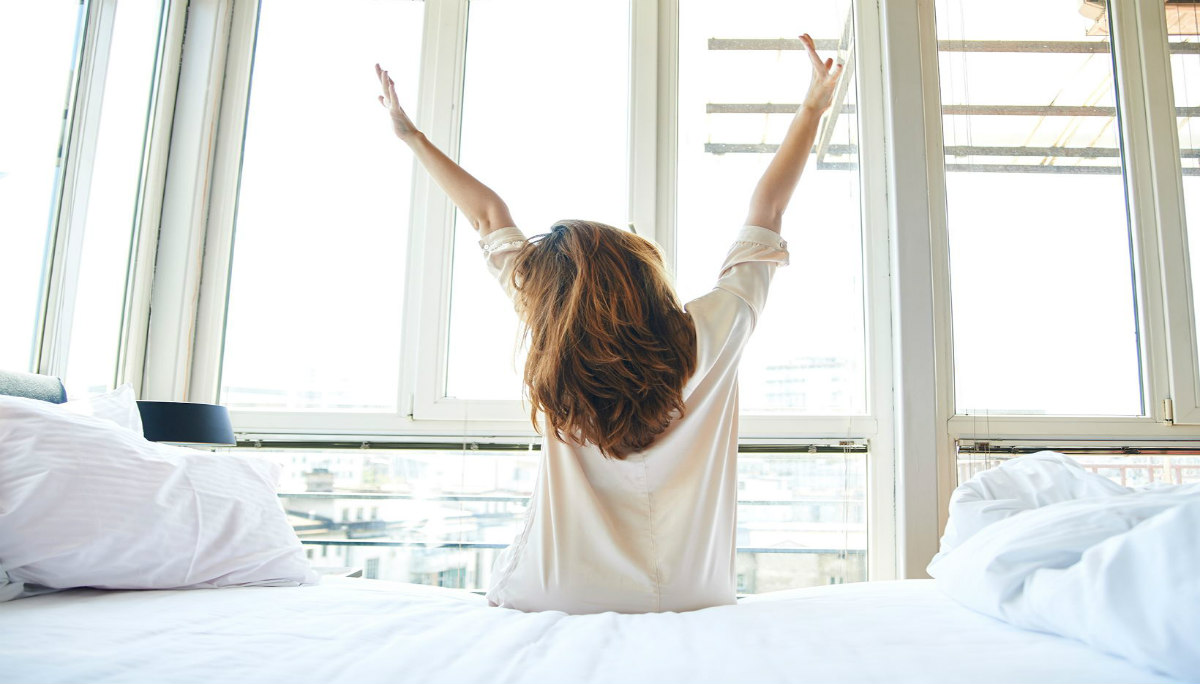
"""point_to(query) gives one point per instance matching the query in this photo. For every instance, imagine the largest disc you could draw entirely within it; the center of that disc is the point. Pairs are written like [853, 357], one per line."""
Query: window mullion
[71, 211]
[172, 330]
[917, 221]
[643, 119]
[667, 129]
[1165, 240]
[881, 476]
[1136, 110]
[439, 116]
[205, 361]
[140, 282]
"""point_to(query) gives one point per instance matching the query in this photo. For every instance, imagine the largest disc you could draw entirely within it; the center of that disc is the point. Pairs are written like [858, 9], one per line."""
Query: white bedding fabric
[87, 503]
[1044, 544]
[346, 630]
[118, 405]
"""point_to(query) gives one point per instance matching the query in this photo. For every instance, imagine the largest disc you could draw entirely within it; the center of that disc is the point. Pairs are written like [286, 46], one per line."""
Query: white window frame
[69, 212]
[653, 29]
[440, 107]
[1159, 256]
[1178, 400]
[1134, 101]
[183, 361]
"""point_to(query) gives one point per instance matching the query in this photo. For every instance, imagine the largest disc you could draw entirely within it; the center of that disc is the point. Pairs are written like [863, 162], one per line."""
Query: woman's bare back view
[636, 396]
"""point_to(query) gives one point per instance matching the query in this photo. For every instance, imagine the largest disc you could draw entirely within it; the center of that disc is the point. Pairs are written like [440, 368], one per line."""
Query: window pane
[447, 514]
[801, 520]
[1041, 272]
[1183, 32]
[42, 38]
[808, 355]
[112, 199]
[550, 136]
[322, 227]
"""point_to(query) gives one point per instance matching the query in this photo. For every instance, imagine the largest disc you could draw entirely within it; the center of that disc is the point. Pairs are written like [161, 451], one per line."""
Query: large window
[43, 38]
[317, 285]
[1043, 299]
[546, 102]
[318, 317]
[323, 286]
[741, 79]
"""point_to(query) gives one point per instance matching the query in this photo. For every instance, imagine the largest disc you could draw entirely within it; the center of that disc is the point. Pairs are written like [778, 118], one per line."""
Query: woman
[635, 505]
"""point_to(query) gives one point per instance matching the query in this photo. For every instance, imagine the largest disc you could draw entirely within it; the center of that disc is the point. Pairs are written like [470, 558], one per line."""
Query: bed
[357, 630]
[86, 500]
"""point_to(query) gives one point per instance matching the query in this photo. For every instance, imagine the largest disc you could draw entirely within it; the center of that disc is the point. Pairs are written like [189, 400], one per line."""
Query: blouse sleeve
[499, 248]
[750, 265]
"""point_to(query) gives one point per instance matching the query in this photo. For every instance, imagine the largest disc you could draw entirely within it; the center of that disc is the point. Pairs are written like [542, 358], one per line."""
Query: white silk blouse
[656, 531]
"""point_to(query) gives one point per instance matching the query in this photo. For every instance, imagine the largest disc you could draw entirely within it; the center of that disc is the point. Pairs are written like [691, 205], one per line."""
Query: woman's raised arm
[482, 206]
[775, 189]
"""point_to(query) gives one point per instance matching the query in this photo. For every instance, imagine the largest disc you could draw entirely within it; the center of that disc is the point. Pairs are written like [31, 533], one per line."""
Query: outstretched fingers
[811, 49]
[381, 75]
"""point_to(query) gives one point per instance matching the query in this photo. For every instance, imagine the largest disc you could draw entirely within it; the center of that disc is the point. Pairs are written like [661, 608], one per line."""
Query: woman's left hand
[824, 77]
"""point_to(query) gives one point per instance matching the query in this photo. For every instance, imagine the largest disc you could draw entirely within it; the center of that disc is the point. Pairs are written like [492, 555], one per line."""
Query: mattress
[353, 630]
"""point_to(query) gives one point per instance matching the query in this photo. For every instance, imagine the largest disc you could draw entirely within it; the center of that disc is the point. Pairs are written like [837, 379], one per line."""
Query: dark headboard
[43, 387]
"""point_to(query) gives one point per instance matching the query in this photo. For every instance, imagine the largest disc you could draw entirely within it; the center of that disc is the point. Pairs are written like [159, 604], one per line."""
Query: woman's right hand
[401, 124]
[824, 77]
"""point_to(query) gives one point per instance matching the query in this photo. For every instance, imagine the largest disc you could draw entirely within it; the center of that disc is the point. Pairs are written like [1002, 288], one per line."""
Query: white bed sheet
[347, 630]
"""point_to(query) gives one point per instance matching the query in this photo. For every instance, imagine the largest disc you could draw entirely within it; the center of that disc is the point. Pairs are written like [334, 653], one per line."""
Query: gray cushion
[43, 387]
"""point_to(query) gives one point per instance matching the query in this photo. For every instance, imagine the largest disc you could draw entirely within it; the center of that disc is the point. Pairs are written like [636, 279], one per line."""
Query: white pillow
[119, 406]
[86, 503]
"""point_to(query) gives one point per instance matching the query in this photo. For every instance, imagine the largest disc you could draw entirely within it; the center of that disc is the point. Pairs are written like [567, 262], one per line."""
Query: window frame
[653, 26]
[1179, 400]
[439, 114]
[68, 209]
[926, 436]
[184, 367]
[1142, 149]
[1152, 180]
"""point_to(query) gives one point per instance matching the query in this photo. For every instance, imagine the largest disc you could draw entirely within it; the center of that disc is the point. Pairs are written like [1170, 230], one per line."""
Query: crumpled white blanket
[1043, 544]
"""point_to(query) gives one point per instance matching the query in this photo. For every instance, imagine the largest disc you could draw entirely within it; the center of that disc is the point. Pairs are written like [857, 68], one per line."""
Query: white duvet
[1044, 544]
[357, 631]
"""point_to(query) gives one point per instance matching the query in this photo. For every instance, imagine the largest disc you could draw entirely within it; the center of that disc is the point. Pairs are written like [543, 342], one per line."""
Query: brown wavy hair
[610, 346]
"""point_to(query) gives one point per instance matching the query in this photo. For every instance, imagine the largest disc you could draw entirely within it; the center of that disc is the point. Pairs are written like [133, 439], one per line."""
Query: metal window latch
[1168, 410]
